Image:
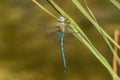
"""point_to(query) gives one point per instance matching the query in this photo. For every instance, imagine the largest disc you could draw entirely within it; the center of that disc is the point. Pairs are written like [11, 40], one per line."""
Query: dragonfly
[62, 29]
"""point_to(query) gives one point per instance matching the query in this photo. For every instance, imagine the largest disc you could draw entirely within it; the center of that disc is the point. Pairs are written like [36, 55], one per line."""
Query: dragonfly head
[61, 19]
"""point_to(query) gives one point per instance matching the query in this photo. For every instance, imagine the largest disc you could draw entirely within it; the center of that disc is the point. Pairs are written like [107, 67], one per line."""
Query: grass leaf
[116, 3]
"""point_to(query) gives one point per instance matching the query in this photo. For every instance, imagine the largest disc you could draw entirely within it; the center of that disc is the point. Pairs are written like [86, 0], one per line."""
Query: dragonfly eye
[61, 19]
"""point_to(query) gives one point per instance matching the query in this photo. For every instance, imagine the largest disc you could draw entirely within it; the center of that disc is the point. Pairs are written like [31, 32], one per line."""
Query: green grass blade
[44, 9]
[102, 33]
[107, 41]
[116, 3]
[79, 6]
[98, 56]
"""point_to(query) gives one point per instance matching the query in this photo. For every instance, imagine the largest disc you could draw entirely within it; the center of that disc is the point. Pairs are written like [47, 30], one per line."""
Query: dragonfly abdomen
[62, 49]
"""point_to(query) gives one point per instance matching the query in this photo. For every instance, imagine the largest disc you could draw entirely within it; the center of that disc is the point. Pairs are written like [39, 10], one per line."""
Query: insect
[62, 29]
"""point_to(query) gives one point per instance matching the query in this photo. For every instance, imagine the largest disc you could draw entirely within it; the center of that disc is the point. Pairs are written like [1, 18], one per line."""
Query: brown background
[26, 55]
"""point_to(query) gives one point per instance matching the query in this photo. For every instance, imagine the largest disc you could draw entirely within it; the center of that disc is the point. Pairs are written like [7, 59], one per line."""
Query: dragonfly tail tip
[64, 69]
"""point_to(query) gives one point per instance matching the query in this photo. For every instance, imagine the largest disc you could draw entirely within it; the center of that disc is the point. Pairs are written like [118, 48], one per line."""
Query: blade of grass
[98, 56]
[116, 3]
[44, 9]
[97, 26]
[83, 39]
[107, 41]
[89, 10]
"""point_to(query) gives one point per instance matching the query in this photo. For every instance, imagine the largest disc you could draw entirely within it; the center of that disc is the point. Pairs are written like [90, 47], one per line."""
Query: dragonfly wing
[54, 36]
[67, 28]
[48, 29]
[69, 37]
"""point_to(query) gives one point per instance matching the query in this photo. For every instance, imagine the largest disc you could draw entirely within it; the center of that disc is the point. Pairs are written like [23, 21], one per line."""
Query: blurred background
[25, 54]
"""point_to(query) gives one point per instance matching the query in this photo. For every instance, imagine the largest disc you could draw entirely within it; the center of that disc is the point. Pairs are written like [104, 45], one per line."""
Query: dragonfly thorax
[61, 27]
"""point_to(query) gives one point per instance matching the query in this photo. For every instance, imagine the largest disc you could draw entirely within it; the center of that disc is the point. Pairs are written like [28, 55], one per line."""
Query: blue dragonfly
[62, 29]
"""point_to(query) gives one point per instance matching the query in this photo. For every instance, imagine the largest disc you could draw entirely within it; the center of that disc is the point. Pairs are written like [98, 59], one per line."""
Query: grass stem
[44, 9]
